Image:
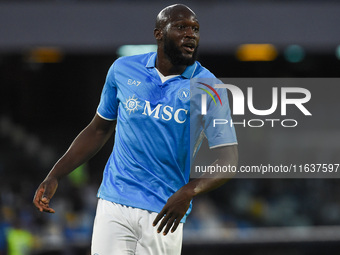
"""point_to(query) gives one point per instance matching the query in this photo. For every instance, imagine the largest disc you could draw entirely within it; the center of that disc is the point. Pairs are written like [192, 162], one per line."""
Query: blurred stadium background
[54, 56]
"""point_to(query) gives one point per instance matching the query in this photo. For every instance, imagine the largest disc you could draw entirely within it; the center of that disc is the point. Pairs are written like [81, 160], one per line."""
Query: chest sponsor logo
[165, 112]
[160, 111]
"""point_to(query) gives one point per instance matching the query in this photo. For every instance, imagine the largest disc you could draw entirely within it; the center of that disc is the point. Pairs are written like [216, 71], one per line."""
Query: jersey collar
[188, 72]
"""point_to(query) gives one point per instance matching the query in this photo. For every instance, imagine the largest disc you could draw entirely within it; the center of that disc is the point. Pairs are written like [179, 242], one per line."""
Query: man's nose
[190, 32]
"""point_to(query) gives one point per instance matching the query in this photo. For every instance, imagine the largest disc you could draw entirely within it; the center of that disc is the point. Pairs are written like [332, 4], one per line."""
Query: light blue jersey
[151, 157]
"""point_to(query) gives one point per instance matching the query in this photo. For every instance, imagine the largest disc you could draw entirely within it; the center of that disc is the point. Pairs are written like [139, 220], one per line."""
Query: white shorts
[124, 230]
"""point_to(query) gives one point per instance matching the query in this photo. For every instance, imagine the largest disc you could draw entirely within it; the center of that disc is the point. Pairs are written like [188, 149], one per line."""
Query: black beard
[175, 55]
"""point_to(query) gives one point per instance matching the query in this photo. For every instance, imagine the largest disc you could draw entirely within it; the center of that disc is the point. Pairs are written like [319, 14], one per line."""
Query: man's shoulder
[202, 72]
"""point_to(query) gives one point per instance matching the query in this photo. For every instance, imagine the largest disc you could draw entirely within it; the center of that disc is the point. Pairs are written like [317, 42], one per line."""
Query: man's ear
[158, 34]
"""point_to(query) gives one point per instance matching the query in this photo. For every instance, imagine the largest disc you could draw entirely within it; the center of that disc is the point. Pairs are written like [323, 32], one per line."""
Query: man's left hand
[173, 211]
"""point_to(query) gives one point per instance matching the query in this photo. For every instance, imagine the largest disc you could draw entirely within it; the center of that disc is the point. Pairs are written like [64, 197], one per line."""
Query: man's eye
[180, 27]
[196, 29]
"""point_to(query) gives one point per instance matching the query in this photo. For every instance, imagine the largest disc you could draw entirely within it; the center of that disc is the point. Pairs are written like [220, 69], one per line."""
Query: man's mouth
[189, 47]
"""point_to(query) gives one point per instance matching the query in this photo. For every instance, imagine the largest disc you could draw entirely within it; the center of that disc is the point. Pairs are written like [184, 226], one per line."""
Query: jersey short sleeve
[108, 106]
[218, 126]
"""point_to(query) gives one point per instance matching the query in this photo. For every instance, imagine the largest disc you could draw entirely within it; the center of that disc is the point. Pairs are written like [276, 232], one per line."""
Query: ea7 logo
[133, 82]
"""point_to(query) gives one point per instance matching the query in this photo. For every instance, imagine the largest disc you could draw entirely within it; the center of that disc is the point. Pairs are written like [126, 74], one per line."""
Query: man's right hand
[44, 194]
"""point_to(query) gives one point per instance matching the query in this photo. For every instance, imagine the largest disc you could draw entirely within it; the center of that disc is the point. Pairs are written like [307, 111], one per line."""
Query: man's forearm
[227, 156]
[83, 148]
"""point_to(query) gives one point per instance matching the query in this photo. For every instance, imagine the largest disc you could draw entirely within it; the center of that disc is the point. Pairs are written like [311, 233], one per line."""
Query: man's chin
[191, 57]
[187, 59]
[190, 60]
[182, 58]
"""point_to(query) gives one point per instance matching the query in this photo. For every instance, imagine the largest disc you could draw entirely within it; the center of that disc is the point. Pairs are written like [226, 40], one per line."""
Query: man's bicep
[103, 125]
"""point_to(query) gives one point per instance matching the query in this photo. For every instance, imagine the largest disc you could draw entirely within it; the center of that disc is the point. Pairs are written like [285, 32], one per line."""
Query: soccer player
[145, 192]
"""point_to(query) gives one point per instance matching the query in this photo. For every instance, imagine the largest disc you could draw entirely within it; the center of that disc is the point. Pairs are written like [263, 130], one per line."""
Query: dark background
[43, 106]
